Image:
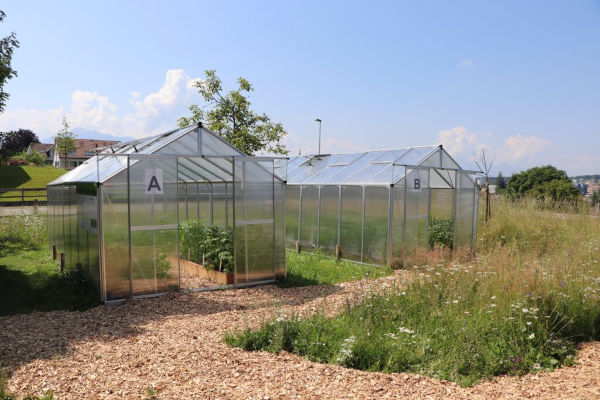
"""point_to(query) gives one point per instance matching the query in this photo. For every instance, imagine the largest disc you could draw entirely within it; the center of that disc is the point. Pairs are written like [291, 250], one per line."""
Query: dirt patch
[174, 344]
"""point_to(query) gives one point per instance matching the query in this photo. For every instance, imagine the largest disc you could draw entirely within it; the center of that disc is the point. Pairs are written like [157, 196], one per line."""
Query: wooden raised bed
[202, 272]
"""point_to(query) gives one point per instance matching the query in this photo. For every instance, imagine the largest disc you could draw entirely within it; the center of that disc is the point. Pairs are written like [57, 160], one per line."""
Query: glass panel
[376, 225]
[254, 225]
[442, 179]
[115, 231]
[328, 234]
[310, 208]
[292, 205]
[350, 235]
[186, 144]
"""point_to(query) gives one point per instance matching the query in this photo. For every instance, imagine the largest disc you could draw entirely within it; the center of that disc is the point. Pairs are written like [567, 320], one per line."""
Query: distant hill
[83, 133]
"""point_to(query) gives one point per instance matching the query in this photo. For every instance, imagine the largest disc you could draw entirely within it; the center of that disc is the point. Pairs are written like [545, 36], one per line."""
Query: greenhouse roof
[191, 141]
[378, 167]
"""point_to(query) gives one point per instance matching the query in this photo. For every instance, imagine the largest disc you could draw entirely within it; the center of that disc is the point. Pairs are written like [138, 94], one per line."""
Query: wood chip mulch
[174, 344]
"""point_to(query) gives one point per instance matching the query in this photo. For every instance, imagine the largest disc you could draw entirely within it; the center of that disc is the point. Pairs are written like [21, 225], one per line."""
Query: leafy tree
[500, 181]
[17, 141]
[7, 45]
[64, 141]
[229, 115]
[542, 183]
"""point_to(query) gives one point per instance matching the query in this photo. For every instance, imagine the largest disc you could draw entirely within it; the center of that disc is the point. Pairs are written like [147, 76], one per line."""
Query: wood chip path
[174, 344]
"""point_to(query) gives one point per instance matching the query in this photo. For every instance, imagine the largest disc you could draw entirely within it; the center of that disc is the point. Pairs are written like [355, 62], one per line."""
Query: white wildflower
[405, 330]
[532, 336]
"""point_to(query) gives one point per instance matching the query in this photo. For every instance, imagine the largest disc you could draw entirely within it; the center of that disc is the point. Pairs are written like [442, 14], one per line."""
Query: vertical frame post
[390, 224]
[178, 222]
[362, 224]
[129, 226]
[235, 269]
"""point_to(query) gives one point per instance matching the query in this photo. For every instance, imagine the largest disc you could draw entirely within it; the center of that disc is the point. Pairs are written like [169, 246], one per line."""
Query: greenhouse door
[153, 229]
[254, 234]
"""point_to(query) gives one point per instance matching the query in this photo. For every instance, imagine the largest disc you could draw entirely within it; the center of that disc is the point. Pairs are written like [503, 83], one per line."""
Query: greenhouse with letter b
[184, 209]
[376, 206]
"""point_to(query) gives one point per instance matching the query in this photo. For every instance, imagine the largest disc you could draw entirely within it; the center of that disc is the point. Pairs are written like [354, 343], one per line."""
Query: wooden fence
[23, 196]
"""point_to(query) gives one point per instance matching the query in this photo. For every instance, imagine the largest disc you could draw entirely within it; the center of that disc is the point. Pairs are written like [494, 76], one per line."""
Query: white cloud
[458, 140]
[521, 148]
[515, 151]
[154, 113]
[466, 63]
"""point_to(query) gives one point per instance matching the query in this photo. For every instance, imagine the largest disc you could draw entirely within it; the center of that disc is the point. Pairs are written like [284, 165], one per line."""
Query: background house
[84, 149]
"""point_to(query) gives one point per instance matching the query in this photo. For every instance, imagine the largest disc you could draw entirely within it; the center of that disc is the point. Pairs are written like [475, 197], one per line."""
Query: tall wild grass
[522, 304]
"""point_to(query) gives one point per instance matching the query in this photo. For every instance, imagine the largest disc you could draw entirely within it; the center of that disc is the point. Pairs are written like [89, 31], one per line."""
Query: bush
[546, 184]
[441, 232]
[210, 245]
[35, 158]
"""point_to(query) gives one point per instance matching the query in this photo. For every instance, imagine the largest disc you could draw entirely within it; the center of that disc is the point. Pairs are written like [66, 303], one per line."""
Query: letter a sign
[153, 184]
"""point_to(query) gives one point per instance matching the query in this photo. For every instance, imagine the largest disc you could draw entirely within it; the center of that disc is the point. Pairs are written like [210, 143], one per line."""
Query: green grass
[521, 306]
[29, 279]
[16, 176]
[307, 269]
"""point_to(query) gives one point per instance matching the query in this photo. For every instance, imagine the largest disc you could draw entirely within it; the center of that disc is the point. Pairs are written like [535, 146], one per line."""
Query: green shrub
[441, 232]
[35, 158]
[210, 244]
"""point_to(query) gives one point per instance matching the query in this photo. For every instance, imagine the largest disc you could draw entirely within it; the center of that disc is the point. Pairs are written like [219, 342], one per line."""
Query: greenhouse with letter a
[184, 209]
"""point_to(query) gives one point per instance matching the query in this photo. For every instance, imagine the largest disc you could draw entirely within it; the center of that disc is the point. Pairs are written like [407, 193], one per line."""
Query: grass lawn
[29, 279]
[520, 306]
[307, 269]
[16, 176]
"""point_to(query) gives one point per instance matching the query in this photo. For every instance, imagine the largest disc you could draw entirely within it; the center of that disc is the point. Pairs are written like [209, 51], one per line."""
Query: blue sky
[521, 79]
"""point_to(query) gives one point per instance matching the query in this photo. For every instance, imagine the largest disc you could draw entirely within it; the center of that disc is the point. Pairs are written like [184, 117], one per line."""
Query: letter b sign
[417, 185]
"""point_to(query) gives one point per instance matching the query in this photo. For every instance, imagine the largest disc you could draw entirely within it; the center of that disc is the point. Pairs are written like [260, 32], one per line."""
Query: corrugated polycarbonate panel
[398, 222]
[463, 224]
[219, 204]
[346, 175]
[292, 205]
[447, 161]
[279, 189]
[212, 145]
[434, 160]
[186, 144]
[442, 201]
[376, 224]
[310, 208]
[416, 207]
[154, 257]
[351, 232]
[442, 179]
[115, 236]
[328, 232]
[204, 204]
[415, 155]
[254, 224]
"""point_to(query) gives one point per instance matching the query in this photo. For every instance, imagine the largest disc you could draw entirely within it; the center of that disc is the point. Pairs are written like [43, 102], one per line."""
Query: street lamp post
[319, 121]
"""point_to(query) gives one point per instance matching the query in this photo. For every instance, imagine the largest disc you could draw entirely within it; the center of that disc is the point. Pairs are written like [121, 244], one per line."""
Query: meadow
[521, 304]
